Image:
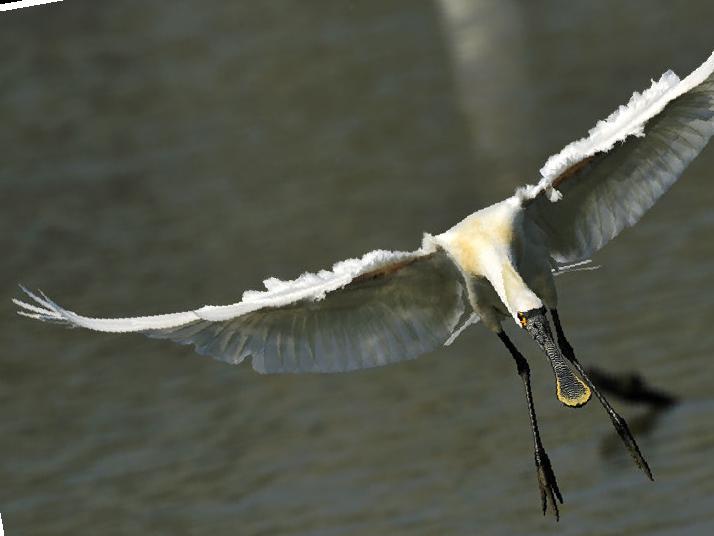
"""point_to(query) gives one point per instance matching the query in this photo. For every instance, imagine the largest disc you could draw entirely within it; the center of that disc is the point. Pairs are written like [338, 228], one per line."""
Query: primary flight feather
[498, 262]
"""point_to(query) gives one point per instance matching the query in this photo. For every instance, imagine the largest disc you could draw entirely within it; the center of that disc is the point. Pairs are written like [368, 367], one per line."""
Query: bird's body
[505, 270]
[496, 263]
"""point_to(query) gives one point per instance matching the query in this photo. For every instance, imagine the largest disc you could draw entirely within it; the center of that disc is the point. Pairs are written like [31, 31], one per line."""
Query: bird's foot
[624, 432]
[547, 484]
[618, 422]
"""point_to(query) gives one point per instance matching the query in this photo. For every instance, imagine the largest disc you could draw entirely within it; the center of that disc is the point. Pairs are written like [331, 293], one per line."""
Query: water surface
[160, 158]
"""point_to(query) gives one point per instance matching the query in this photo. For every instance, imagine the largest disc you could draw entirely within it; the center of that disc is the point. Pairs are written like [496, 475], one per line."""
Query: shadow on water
[632, 389]
[160, 158]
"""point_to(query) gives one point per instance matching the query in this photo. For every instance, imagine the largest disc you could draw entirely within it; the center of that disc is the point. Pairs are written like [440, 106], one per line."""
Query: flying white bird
[499, 262]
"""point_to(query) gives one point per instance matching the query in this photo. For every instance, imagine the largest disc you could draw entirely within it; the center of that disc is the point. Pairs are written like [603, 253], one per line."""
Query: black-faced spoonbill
[497, 263]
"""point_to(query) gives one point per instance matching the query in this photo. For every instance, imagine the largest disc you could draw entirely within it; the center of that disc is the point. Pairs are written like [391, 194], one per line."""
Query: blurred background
[158, 156]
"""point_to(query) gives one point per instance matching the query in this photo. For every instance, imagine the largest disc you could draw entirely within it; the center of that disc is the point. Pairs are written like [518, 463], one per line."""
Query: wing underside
[397, 308]
[370, 323]
[610, 189]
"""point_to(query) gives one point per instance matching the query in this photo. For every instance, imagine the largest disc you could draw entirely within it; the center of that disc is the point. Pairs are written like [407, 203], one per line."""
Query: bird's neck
[482, 246]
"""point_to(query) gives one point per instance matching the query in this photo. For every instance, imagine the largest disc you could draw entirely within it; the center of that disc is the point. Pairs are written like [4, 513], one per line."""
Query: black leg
[546, 478]
[618, 422]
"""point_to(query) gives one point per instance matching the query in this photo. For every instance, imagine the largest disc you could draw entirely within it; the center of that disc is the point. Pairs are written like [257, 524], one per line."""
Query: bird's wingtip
[42, 309]
[36, 316]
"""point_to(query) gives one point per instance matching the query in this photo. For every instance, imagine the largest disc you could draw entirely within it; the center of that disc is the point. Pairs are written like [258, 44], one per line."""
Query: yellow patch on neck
[523, 320]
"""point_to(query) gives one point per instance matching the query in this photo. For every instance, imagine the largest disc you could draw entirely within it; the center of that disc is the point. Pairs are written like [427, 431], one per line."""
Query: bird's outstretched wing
[609, 179]
[382, 308]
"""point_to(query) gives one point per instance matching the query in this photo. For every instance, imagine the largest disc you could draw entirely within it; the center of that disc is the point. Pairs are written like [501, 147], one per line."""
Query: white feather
[309, 286]
[628, 120]
[409, 303]
[634, 157]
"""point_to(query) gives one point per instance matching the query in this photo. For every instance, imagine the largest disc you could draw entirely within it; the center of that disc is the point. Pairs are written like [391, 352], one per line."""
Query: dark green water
[158, 156]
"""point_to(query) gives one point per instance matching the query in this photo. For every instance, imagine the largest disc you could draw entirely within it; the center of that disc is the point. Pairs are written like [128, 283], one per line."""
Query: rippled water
[156, 157]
